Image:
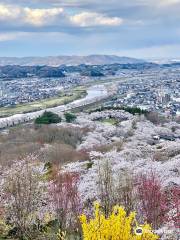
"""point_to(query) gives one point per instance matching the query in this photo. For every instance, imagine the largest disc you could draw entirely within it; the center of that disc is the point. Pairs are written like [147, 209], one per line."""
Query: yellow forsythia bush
[118, 226]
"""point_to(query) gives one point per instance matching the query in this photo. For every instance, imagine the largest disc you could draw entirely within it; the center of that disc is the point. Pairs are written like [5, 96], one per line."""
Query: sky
[134, 28]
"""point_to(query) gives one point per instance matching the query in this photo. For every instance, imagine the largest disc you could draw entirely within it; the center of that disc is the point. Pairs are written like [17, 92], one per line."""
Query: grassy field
[111, 121]
[63, 98]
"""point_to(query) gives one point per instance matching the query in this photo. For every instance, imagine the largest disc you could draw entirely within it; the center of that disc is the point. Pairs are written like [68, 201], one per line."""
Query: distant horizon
[93, 54]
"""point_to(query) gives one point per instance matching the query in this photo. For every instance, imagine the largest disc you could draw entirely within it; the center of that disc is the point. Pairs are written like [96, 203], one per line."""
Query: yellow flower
[118, 226]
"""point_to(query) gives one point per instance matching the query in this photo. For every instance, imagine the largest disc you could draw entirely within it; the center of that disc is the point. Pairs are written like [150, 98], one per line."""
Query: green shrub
[48, 118]
[70, 117]
[89, 165]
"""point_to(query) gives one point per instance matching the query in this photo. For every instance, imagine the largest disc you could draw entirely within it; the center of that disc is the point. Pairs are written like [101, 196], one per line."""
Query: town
[25, 90]
[152, 88]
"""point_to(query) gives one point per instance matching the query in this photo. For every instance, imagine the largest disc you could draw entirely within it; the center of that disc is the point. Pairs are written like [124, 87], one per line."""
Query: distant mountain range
[164, 60]
[69, 60]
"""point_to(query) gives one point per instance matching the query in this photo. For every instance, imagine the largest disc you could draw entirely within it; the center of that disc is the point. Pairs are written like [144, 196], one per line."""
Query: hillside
[50, 175]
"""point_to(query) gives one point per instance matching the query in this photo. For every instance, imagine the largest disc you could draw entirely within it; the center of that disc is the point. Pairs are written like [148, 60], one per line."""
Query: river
[94, 93]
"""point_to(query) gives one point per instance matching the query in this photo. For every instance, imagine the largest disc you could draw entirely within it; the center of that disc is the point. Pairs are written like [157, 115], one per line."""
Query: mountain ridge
[68, 60]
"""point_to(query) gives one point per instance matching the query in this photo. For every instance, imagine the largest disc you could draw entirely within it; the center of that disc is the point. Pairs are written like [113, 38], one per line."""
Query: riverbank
[94, 93]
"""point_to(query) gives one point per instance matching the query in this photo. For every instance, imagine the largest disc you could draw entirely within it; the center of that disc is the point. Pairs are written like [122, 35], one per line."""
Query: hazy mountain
[164, 60]
[68, 60]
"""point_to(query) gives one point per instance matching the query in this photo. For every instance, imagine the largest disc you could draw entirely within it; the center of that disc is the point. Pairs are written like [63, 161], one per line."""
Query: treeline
[132, 110]
[27, 71]
[17, 71]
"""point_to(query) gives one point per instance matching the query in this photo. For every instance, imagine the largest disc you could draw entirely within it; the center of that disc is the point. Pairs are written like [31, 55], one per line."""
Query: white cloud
[9, 36]
[36, 17]
[168, 2]
[21, 16]
[8, 13]
[88, 19]
[40, 17]
[6, 37]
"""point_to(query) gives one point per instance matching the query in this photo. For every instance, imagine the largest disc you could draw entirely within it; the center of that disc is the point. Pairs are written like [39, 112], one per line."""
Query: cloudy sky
[137, 28]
